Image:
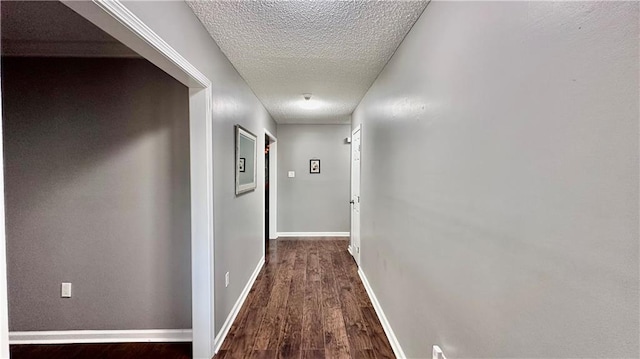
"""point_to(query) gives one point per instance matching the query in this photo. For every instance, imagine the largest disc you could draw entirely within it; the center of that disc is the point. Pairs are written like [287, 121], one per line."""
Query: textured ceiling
[331, 49]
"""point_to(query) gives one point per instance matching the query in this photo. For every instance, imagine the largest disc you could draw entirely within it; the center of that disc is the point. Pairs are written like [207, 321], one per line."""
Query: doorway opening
[270, 188]
[117, 21]
[82, 129]
[354, 245]
[266, 189]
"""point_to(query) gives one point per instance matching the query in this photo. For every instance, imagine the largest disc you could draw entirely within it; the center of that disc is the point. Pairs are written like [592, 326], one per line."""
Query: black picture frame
[314, 166]
[241, 162]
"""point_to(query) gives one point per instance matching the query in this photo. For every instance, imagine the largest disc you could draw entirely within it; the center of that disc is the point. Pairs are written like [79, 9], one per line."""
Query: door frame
[355, 253]
[273, 190]
[118, 21]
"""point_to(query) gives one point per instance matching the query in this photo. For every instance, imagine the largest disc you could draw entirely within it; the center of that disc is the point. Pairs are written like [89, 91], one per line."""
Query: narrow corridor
[308, 302]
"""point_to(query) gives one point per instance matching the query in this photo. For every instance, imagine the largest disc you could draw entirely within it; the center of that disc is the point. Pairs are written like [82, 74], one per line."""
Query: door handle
[352, 202]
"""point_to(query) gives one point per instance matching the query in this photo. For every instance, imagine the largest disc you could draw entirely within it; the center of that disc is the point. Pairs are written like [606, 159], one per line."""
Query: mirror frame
[243, 188]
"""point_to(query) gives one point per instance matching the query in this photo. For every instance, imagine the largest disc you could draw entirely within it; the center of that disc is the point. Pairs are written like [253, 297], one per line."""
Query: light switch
[65, 291]
[292, 174]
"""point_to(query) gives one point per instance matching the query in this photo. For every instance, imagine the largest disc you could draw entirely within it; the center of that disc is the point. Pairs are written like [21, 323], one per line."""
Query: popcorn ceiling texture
[333, 50]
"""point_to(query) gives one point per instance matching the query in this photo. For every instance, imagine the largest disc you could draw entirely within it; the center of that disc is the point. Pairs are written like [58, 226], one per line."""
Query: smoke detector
[307, 96]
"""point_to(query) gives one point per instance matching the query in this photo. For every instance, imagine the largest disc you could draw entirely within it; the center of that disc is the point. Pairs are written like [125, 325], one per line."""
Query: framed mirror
[246, 150]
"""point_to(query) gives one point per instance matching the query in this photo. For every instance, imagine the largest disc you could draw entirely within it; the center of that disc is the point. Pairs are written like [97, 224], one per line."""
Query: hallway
[307, 302]
[479, 160]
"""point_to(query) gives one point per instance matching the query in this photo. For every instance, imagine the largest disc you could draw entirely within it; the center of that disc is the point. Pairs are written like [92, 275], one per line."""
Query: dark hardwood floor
[308, 302]
[103, 351]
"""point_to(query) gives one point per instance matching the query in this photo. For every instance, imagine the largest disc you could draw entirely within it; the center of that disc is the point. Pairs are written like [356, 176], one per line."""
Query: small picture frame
[241, 164]
[314, 166]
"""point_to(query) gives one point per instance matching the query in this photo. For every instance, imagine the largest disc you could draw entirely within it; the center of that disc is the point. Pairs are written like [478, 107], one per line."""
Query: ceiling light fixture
[308, 103]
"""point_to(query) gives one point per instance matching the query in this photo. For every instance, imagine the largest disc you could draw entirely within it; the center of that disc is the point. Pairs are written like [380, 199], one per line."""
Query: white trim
[313, 234]
[268, 133]
[273, 186]
[101, 336]
[395, 345]
[236, 307]
[117, 10]
[349, 250]
[355, 227]
[118, 21]
[202, 245]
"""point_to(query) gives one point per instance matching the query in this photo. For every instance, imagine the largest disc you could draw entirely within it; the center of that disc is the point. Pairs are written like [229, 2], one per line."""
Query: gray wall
[97, 194]
[238, 220]
[313, 202]
[500, 181]
[4, 310]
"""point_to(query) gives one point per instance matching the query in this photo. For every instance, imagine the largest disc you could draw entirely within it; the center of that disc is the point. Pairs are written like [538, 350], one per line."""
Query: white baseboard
[236, 308]
[100, 336]
[349, 250]
[314, 234]
[395, 345]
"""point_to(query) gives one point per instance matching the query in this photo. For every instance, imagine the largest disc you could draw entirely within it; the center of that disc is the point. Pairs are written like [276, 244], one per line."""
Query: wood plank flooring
[308, 302]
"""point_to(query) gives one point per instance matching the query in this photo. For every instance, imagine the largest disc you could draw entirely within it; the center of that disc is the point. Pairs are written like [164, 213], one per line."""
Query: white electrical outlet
[226, 279]
[65, 290]
[437, 353]
[292, 174]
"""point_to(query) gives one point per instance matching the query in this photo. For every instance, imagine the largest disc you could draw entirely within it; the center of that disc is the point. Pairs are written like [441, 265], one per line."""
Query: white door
[355, 194]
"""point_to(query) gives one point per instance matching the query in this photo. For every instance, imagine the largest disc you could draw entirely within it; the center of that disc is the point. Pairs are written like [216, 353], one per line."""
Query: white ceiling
[332, 49]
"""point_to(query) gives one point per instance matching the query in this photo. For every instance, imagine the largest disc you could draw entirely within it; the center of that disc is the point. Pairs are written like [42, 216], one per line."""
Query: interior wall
[4, 310]
[238, 220]
[313, 202]
[500, 181]
[97, 194]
